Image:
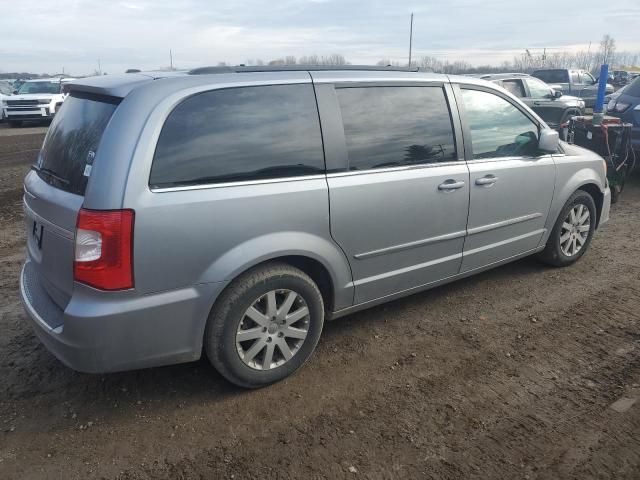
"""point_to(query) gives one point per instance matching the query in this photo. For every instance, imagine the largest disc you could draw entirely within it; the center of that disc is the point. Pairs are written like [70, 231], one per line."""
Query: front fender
[573, 173]
[276, 245]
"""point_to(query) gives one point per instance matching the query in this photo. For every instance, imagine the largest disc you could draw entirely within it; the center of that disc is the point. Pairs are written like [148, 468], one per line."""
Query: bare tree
[607, 49]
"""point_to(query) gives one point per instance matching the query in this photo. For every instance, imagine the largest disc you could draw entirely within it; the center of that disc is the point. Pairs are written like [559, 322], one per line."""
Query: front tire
[265, 325]
[572, 232]
[567, 116]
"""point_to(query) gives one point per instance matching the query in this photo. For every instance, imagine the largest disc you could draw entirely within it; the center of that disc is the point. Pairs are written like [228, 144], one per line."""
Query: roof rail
[496, 75]
[293, 68]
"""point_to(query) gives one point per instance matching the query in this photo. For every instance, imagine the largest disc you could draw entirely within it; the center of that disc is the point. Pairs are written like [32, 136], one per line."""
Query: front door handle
[487, 180]
[450, 185]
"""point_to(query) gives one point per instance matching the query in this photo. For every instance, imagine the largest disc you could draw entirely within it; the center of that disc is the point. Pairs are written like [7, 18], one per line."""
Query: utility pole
[170, 59]
[410, 38]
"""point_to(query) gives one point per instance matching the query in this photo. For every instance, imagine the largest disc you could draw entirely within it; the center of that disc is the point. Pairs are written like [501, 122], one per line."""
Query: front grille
[24, 103]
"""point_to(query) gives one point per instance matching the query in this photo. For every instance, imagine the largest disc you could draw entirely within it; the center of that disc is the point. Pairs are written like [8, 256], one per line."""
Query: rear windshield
[72, 141]
[551, 76]
[633, 88]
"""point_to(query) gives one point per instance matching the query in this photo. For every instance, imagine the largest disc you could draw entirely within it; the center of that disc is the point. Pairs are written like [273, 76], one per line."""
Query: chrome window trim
[394, 169]
[264, 181]
[503, 159]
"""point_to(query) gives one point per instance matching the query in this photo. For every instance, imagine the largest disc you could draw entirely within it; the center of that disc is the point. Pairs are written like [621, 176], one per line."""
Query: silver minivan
[231, 211]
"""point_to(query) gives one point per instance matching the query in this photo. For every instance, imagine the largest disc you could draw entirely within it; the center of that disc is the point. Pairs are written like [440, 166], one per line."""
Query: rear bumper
[100, 332]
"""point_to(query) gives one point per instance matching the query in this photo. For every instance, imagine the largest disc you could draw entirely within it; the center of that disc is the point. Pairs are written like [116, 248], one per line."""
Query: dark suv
[554, 107]
[627, 107]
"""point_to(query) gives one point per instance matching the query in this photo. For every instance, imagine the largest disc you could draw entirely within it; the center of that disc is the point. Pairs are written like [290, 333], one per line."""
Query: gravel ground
[522, 372]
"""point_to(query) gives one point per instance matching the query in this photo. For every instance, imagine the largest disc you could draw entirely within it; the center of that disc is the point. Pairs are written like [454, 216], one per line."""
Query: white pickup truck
[35, 100]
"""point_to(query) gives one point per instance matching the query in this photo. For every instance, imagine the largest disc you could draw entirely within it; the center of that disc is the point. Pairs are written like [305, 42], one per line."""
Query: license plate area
[37, 233]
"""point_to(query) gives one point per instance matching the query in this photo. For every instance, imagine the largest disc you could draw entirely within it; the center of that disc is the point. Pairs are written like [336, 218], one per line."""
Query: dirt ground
[522, 372]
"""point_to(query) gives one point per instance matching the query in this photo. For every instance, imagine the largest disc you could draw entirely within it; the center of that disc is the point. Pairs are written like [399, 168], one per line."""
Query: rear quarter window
[72, 141]
[240, 134]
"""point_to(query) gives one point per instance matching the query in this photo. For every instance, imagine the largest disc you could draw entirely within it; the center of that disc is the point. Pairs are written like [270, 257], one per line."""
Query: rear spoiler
[108, 85]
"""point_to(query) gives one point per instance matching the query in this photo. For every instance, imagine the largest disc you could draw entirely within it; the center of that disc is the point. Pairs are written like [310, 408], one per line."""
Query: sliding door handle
[450, 185]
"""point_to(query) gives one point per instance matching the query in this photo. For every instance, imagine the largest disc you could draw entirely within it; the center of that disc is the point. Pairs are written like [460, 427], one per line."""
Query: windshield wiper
[50, 173]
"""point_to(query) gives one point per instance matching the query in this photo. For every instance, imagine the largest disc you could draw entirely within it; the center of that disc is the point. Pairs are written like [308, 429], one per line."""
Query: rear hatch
[55, 188]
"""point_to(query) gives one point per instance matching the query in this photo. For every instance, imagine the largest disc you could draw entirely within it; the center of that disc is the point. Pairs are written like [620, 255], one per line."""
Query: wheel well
[318, 273]
[598, 197]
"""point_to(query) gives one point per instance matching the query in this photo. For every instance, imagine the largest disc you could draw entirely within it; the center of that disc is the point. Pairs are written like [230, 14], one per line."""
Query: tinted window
[240, 134]
[72, 141]
[395, 126]
[552, 76]
[498, 129]
[538, 89]
[514, 86]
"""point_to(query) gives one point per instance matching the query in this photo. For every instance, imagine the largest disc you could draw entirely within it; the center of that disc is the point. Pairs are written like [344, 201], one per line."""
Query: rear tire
[253, 336]
[572, 232]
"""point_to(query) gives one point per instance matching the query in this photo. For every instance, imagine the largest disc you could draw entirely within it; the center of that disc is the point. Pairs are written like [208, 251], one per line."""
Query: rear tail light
[104, 249]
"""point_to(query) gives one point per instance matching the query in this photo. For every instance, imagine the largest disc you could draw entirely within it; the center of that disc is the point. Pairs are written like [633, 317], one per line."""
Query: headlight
[621, 107]
[581, 103]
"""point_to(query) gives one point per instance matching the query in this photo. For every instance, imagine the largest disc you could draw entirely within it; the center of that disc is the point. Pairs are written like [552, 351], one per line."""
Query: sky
[45, 36]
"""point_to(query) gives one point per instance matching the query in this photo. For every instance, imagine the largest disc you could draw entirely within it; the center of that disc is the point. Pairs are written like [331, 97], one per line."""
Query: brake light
[104, 249]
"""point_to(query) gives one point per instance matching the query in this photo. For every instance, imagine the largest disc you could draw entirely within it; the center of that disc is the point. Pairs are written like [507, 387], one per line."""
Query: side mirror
[557, 94]
[549, 141]
[15, 92]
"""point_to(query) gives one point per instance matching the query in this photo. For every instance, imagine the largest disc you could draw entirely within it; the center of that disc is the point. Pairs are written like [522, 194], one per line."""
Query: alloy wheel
[273, 329]
[575, 230]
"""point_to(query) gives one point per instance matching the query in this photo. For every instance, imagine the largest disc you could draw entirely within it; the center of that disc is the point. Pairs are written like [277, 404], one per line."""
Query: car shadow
[39, 374]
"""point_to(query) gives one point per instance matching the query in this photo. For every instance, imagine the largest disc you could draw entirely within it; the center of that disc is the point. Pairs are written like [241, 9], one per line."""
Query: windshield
[39, 87]
[72, 141]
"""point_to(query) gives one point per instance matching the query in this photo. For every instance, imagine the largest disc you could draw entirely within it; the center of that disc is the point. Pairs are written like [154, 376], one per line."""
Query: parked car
[231, 211]
[35, 100]
[579, 83]
[5, 93]
[627, 107]
[620, 78]
[613, 96]
[554, 107]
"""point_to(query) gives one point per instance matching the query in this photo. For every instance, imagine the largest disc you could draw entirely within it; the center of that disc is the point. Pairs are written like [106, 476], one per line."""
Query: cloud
[45, 35]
